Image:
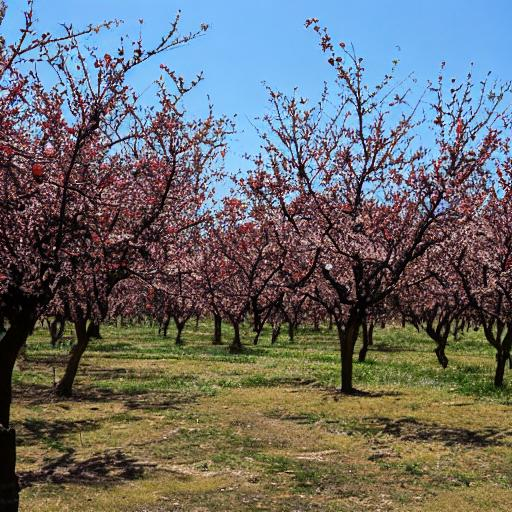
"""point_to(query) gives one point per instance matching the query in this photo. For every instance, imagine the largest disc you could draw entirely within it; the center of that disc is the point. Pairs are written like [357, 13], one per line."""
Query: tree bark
[65, 385]
[440, 336]
[503, 345]
[56, 328]
[217, 333]
[348, 338]
[440, 353]
[93, 330]
[256, 315]
[10, 344]
[366, 342]
[236, 345]
[291, 332]
[165, 326]
[501, 361]
[179, 330]
[276, 329]
[9, 487]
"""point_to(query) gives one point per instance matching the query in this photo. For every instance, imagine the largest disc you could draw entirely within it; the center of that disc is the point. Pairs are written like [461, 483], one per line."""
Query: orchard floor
[154, 427]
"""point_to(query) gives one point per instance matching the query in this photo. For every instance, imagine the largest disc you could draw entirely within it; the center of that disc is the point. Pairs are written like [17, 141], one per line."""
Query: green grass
[156, 427]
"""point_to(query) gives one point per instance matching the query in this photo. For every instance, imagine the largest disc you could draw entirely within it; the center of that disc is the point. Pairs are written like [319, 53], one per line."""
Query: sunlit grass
[156, 427]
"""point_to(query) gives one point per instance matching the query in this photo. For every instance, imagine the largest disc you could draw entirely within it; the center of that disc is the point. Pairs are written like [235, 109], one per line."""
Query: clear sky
[251, 41]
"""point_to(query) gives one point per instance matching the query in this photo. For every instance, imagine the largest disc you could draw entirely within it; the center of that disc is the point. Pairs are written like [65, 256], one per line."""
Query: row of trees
[375, 204]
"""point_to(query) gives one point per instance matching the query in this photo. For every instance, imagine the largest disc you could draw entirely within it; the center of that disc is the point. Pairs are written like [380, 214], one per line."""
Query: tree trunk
[366, 343]
[9, 487]
[93, 330]
[217, 333]
[65, 385]
[179, 329]
[291, 332]
[276, 329]
[440, 352]
[440, 336]
[22, 354]
[256, 315]
[501, 361]
[56, 328]
[165, 326]
[348, 338]
[236, 345]
[10, 344]
[256, 338]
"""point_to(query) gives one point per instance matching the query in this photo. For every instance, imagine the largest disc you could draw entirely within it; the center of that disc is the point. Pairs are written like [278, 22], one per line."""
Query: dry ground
[154, 427]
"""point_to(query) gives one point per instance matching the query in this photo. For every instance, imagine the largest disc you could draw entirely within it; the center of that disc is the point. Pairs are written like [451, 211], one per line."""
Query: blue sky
[251, 41]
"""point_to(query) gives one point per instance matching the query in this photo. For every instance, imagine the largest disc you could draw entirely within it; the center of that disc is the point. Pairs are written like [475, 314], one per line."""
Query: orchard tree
[482, 264]
[143, 210]
[354, 180]
[53, 139]
[431, 298]
[240, 266]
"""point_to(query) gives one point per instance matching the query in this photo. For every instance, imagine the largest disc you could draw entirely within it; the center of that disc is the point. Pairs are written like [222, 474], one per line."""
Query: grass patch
[157, 427]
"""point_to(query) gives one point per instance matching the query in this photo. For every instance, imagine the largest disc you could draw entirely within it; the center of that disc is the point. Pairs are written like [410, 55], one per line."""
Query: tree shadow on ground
[385, 347]
[33, 430]
[157, 402]
[35, 395]
[410, 429]
[106, 468]
[337, 394]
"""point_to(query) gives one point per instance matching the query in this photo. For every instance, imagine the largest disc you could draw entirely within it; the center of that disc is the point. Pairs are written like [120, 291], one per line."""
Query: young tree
[434, 301]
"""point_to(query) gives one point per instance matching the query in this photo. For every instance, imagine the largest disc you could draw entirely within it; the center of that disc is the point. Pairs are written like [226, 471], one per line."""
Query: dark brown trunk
[348, 338]
[9, 487]
[276, 329]
[440, 336]
[56, 328]
[236, 345]
[257, 317]
[217, 333]
[370, 334]
[10, 344]
[501, 361]
[366, 343]
[65, 385]
[7, 360]
[165, 326]
[440, 353]
[291, 332]
[22, 354]
[179, 330]
[93, 330]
